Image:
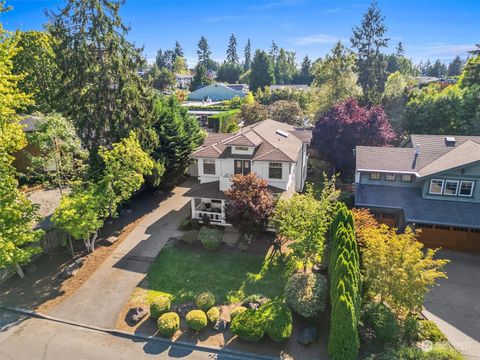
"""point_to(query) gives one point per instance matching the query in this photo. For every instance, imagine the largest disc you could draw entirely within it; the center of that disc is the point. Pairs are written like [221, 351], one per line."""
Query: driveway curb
[233, 353]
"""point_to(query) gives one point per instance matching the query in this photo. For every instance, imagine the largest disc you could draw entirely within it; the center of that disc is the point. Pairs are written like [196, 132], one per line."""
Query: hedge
[224, 122]
[277, 319]
[248, 325]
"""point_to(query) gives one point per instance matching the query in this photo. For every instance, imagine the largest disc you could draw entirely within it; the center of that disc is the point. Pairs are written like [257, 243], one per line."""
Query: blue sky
[428, 28]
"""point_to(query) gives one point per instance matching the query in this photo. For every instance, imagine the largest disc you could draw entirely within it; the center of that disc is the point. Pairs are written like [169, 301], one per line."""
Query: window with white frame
[390, 177]
[209, 166]
[451, 187]
[375, 176]
[436, 186]
[406, 177]
[241, 148]
[275, 170]
[466, 188]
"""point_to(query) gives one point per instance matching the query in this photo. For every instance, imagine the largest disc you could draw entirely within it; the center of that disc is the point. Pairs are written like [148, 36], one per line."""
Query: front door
[242, 167]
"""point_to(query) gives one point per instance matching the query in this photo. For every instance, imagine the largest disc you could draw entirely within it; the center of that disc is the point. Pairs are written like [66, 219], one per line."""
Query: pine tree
[262, 71]
[273, 53]
[232, 56]
[248, 51]
[399, 50]
[178, 51]
[369, 38]
[204, 52]
[102, 91]
[455, 67]
[200, 78]
[164, 59]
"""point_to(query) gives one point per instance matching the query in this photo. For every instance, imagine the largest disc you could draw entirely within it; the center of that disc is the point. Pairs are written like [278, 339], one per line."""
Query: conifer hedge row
[345, 287]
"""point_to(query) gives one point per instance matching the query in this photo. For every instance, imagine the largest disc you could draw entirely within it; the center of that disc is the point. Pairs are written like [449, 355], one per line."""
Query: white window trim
[275, 167]
[209, 161]
[375, 172]
[441, 190]
[390, 174]
[445, 187]
[471, 190]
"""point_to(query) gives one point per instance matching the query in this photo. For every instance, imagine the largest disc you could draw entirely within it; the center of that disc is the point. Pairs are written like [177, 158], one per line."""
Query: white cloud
[442, 51]
[315, 39]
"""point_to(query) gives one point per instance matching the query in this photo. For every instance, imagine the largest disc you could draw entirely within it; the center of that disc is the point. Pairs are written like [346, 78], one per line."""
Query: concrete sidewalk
[454, 305]
[99, 301]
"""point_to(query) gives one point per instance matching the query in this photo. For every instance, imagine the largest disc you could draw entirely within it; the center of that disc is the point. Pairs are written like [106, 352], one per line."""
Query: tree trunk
[70, 245]
[20, 271]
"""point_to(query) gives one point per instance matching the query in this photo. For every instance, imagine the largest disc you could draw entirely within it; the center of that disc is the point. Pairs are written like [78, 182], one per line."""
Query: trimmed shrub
[382, 321]
[168, 324]
[306, 293]
[190, 237]
[211, 239]
[213, 315]
[205, 300]
[159, 306]
[236, 311]
[196, 320]
[430, 331]
[248, 325]
[184, 224]
[410, 328]
[277, 319]
[413, 353]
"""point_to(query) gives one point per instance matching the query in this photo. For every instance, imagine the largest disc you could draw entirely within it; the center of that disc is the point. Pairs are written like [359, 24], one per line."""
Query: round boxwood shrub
[190, 237]
[428, 330]
[211, 239]
[306, 293]
[205, 300]
[168, 323]
[196, 320]
[236, 311]
[159, 305]
[248, 325]
[277, 319]
[213, 315]
[382, 321]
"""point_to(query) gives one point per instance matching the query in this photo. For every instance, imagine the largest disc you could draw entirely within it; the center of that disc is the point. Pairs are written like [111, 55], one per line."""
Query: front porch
[213, 209]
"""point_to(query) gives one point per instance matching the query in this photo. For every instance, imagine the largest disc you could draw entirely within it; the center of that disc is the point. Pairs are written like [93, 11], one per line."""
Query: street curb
[233, 353]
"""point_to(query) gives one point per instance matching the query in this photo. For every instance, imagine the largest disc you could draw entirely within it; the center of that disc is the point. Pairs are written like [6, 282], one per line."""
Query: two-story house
[273, 150]
[433, 183]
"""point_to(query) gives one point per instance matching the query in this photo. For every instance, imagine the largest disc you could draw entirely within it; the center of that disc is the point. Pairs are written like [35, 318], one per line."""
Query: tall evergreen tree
[232, 56]
[102, 91]
[262, 71]
[178, 51]
[203, 52]
[164, 59]
[248, 55]
[369, 39]
[273, 51]
[455, 67]
[200, 78]
[399, 50]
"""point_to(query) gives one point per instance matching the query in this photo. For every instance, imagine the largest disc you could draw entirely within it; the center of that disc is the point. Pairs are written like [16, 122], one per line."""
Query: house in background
[273, 150]
[289, 87]
[433, 183]
[183, 81]
[219, 92]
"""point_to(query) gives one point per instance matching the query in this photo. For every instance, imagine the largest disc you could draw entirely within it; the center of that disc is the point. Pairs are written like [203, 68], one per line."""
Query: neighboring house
[273, 150]
[433, 183]
[183, 81]
[291, 87]
[218, 91]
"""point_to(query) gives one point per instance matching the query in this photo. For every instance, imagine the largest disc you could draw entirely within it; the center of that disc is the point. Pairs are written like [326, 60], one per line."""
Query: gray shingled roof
[434, 155]
[211, 190]
[417, 209]
[271, 146]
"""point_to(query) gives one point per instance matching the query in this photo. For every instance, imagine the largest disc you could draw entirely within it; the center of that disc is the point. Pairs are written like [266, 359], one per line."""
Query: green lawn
[183, 274]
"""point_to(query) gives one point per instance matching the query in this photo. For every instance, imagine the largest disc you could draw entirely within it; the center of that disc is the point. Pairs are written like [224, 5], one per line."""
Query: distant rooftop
[293, 87]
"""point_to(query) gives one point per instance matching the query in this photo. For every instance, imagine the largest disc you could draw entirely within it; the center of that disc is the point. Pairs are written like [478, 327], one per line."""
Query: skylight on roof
[450, 140]
[282, 133]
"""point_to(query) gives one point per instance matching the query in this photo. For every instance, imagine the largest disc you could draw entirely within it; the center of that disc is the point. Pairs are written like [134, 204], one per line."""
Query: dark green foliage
[345, 286]
[410, 329]
[101, 90]
[158, 306]
[229, 72]
[414, 353]
[277, 319]
[190, 236]
[232, 56]
[248, 325]
[168, 324]
[383, 322]
[196, 320]
[224, 122]
[178, 134]
[255, 298]
[430, 331]
[211, 239]
[205, 300]
[248, 53]
[262, 71]
[200, 78]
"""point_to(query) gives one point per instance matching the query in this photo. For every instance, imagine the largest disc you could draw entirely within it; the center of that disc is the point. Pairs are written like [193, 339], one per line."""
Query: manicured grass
[183, 274]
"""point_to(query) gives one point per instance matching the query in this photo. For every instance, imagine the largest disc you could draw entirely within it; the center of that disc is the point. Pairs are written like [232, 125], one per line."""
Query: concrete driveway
[99, 301]
[455, 304]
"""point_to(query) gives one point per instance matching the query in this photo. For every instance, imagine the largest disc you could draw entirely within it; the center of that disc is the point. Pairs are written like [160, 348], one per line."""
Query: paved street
[455, 304]
[99, 301]
[35, 339]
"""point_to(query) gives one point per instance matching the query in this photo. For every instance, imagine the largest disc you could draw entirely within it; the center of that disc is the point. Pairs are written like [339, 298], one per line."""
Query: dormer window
[450, 141]
[241, 148]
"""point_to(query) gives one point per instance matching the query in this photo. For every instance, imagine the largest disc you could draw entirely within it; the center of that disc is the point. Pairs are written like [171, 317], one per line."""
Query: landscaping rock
[135, 315]
[308, 335]
[111, 239]
[221, 325]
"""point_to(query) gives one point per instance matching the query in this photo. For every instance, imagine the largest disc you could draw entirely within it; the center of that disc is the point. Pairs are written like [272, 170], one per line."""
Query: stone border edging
[121, 333]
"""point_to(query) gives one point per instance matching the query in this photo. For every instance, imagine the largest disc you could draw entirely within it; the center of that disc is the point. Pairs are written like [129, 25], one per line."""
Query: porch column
[192, 202]
[222, 205]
